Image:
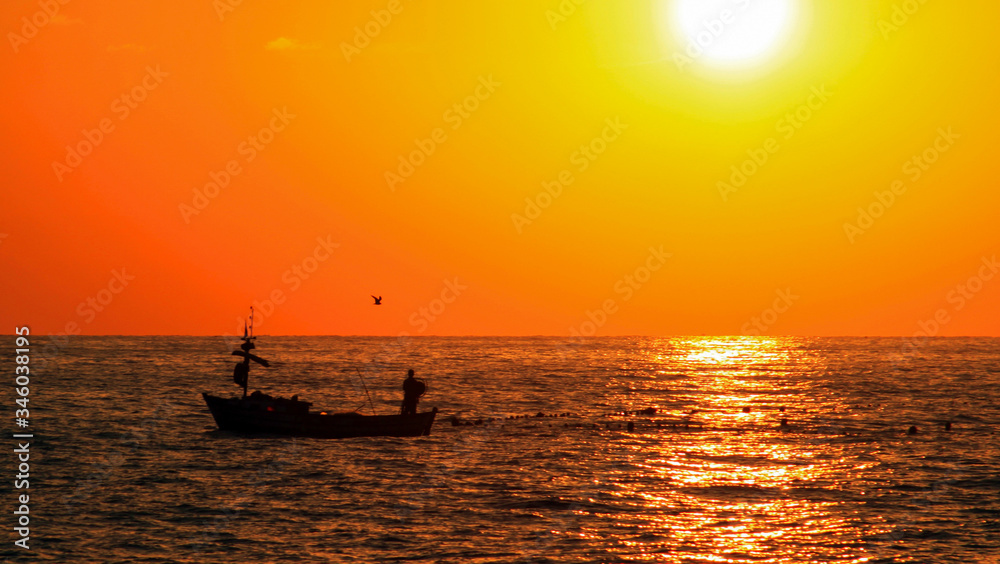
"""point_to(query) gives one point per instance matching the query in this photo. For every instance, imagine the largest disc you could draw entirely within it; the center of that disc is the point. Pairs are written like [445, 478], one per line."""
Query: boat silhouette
[260, 413]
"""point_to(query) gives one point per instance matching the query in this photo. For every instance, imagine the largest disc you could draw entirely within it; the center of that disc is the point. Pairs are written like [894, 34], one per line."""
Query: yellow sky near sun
[497, 100]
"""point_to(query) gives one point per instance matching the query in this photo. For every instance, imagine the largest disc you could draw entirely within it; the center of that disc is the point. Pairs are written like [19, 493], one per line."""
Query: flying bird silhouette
[378, 300]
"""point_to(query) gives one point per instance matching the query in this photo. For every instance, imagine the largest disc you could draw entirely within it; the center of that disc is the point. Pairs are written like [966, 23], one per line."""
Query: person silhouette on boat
[242, 373]
[412, 390]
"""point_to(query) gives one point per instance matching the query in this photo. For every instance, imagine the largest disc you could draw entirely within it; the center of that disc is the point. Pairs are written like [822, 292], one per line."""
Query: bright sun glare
[731, 32]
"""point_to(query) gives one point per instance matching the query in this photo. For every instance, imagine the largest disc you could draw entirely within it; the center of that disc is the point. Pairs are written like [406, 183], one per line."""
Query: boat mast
[241, 373]
[243, 369]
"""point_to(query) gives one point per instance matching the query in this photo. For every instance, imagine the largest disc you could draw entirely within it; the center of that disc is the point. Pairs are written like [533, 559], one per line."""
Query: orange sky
[643, 237]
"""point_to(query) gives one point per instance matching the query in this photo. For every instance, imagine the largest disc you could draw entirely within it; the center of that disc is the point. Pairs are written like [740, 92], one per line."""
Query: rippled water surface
[129, 467]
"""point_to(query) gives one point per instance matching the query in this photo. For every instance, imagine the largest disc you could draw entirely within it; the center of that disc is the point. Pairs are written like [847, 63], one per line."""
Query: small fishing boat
[263, 414]
[260, 413]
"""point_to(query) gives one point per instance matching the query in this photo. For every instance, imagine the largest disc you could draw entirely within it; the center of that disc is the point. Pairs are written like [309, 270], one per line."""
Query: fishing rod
[366, 390]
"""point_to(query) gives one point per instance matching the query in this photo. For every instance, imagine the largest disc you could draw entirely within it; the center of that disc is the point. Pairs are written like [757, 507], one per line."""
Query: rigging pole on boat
[241, 374]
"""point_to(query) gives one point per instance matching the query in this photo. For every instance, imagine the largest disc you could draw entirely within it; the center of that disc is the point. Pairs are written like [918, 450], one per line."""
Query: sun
[730, 32]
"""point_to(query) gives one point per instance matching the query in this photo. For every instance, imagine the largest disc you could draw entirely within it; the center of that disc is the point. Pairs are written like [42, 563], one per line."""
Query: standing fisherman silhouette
[412, 390]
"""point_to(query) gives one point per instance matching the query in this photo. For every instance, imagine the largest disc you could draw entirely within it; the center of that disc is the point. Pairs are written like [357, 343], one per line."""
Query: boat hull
[293, 418]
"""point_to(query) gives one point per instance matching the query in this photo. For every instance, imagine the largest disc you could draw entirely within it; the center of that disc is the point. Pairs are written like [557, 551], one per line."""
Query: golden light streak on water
[741, 457]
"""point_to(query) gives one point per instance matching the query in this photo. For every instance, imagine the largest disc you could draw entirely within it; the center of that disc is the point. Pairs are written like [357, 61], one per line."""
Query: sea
[544, 450]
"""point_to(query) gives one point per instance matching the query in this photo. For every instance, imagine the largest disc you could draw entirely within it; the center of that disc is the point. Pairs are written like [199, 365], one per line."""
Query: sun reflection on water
[734, 487]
